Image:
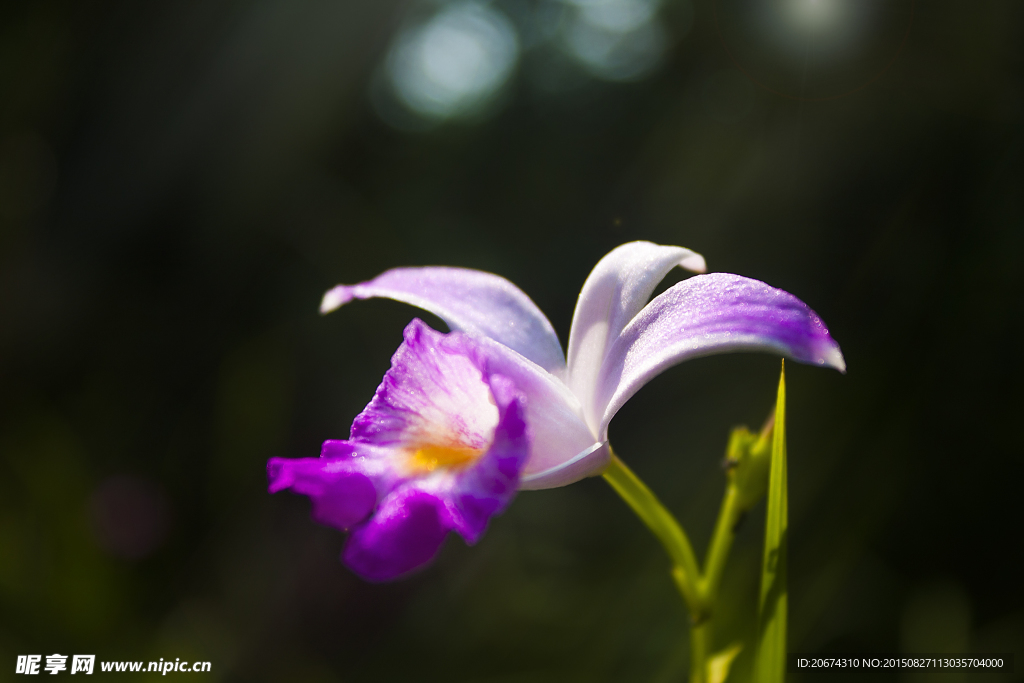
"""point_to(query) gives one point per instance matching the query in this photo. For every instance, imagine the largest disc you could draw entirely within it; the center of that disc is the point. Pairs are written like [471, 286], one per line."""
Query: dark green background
[181, 181]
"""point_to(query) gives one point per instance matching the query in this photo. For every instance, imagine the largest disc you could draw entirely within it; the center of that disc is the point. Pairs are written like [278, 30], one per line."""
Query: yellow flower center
[428, 458]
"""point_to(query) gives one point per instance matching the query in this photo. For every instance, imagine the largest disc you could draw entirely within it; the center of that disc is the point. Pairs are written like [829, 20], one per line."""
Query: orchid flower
[462, 420]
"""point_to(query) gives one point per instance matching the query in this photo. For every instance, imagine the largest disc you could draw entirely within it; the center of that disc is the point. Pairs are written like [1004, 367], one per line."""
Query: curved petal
[587, 463]
[558, 432]
[614, 292]
[475, 302]
[710, 314]
[406, 533]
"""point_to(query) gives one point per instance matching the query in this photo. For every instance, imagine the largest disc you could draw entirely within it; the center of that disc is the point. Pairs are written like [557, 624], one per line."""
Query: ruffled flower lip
[439, 448]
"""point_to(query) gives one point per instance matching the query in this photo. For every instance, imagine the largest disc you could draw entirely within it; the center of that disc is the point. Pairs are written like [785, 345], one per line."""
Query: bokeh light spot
[614, 55]
[455, 62]
[615, 40]
[617, 15]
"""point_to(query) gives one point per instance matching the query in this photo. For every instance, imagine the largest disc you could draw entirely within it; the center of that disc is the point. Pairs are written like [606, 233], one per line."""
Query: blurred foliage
[179, 183]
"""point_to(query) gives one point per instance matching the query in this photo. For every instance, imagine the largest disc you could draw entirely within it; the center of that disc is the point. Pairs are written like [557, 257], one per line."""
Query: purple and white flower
[462, 420]
[439, 448]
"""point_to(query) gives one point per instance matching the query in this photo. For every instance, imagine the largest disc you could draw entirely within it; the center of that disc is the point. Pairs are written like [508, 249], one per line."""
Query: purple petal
[411, 523]
[434, 393]
[709, 314]
[342, 495]
[475, 302]
[438, 379]
[440, 396]
[486, 488]
[406, 533]
[614, 292]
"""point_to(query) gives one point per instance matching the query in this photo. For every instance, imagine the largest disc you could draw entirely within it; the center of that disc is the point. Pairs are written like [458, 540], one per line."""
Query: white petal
[472, 301]
[615, 291]
[558, 433]
[587, 463]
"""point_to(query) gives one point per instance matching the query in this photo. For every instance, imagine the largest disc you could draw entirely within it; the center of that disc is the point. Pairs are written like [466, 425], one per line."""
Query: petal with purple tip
[475, 302]
[709, 314]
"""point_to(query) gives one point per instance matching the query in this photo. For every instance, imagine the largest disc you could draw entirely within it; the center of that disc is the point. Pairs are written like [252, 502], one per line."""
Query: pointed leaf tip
[720, 663]
[770, 666]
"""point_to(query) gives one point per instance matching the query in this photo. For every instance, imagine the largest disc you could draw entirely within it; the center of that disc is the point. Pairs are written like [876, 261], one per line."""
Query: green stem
[721, 543]
[700, 590]
[718, 551]
[699, 637]
[661, 522]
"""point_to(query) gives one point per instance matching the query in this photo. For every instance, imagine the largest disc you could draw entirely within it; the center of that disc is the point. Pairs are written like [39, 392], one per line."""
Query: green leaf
[770, 666]
[719, 663]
